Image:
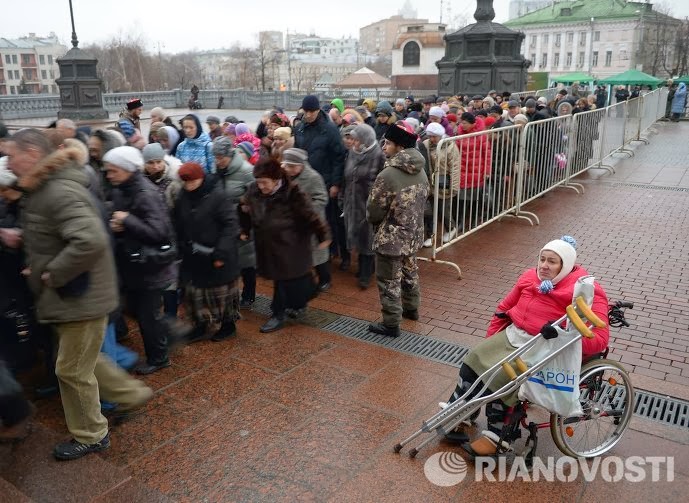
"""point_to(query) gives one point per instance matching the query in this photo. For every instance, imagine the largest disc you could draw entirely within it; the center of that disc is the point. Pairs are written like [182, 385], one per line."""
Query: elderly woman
[207, 230]
[679, 102]
[282, 140]
[283, 221]
[365, 159]
[540, 295]
[295, 163]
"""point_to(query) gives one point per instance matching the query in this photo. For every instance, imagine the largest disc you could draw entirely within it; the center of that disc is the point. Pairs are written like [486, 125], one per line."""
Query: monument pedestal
[482, 56]
[80, 88]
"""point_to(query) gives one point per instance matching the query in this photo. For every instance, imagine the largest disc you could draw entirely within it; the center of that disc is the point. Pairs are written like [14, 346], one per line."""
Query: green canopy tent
[570, 78]
[683, 78]
[631, 78]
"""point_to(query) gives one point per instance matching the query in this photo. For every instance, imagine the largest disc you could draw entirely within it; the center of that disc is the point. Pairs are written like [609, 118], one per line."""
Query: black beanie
[468, 117]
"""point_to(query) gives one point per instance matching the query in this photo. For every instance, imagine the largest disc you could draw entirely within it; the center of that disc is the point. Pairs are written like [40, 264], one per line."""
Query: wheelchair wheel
[607, 399]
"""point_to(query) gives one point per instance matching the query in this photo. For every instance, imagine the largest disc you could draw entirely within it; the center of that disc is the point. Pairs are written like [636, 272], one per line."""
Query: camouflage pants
[398, 285]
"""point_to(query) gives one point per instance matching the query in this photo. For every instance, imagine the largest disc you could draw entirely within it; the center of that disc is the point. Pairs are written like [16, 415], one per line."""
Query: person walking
[71, 271]
[283, 221]
[197, 146]
[207, 230]
[395, 208]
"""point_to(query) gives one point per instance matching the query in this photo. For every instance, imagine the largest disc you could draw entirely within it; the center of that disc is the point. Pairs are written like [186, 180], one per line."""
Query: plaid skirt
[213, 305]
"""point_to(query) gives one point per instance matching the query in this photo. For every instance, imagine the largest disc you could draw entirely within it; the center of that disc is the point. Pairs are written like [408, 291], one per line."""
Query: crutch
[460, 410]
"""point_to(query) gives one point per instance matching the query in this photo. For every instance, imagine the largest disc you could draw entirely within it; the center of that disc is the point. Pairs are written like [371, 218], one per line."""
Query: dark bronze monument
[482, 56]
[80, 87]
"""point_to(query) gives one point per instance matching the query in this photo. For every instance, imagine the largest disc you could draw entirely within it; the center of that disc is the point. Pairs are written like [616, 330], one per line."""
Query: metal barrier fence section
[484, 176]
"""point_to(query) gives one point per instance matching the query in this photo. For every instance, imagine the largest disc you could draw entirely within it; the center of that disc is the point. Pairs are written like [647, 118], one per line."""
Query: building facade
[377, 39]
[602, 38]
[414, 53]
[28, 65]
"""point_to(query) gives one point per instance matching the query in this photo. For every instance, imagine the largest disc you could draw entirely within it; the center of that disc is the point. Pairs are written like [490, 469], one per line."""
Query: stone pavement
[310, 415]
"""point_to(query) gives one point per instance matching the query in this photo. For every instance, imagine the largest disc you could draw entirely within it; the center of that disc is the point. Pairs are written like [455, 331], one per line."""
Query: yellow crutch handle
[521, 366]
[507, 368]
[578, 322]
[588, 313]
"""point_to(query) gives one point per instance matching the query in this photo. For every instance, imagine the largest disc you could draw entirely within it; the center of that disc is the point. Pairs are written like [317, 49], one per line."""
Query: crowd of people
[101, 226]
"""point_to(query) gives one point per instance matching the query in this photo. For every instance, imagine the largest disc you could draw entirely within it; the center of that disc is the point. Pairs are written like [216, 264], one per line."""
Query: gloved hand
[549, 331]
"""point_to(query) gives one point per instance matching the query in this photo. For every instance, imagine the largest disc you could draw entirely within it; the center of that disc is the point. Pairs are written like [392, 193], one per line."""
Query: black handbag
[153, 254]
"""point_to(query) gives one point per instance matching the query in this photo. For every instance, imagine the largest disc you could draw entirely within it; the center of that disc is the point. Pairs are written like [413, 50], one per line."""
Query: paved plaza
[308, 414]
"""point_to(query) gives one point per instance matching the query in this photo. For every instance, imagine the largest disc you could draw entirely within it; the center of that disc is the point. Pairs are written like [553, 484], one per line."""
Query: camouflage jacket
[395, 205]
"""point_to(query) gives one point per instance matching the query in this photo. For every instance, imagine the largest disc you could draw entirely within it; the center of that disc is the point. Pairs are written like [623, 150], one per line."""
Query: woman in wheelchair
[540, 295]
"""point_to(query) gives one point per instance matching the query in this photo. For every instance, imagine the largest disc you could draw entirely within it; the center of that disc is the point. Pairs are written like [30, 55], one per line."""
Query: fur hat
[268, 168]
[133, 104]
[435, 129]
[520, 118]
[310, 103]
[282, 133]
[222, 147]
[565, 247]
[191, 171]
[400, 136]
[295, 156]
[153, 152]
[127, 158]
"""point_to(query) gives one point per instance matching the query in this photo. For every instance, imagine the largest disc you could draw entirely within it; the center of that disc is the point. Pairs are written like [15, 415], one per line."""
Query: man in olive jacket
[395, 209]
[71, 273]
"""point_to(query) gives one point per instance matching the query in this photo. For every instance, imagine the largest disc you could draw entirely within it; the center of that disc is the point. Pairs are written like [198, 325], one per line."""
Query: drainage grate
[653, 187]
[663, 409]
[666, 410]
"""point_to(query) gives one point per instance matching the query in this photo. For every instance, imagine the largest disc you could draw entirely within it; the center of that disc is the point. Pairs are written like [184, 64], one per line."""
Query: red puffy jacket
[475, 157]
[529, 309]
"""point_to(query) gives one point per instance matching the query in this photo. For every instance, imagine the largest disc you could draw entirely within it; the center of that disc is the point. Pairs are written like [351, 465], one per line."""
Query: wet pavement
[306, 414]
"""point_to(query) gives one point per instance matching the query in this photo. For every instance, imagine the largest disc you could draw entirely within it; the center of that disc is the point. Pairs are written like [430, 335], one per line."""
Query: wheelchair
[606, 396]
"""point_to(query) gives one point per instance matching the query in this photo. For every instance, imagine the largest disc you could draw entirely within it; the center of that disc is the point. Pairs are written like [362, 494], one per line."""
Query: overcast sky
[179, 25]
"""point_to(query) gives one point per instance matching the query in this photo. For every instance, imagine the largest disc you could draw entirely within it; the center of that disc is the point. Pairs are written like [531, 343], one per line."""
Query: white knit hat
[128, 158]
[435, 129]
[565, 247]
[7, 178]
[436, 112]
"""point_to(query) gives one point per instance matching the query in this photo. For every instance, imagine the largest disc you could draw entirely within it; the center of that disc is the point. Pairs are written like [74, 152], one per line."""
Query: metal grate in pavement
[653, 187]
[667, 410]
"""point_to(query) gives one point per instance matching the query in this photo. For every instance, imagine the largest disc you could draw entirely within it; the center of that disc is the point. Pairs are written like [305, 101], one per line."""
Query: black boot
[346, 262]
[198, 333]
[227, 329]
[274, 323]
[379, 328]
[366, 266]
[411, 314]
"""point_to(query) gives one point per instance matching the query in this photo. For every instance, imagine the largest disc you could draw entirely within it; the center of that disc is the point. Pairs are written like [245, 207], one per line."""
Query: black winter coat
[13, 286]
[322, 140]
[207, 217]
[283, 224]
[148, 223]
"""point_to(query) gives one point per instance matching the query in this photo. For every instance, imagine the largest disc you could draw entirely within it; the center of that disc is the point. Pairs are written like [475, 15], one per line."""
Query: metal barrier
[498, 171]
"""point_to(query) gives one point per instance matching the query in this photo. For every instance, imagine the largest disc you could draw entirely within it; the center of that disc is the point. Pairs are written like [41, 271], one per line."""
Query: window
[533, 41]
[594, 59]
[26, 59]
[14, 59]
[53, 89]
[411, 54]
[580, 61]
[546, 39]
[533, 58]
[52, 74]
[570, 37]
[7, 59]
[582, 38]
[596, 36]
[544, 60]
[556, 59]
[50, 60]
[13, 90]
[44, 75]
[41, 59]
[568, 61]
[16, 74]
[608, 58]
[558, 39]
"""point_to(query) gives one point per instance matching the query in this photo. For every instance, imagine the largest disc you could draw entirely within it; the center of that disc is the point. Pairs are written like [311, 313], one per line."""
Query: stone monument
[80, 88]
[482, 56]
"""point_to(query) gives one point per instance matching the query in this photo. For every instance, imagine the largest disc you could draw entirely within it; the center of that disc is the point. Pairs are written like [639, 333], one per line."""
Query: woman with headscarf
[364, 161]
[169, 139]
[207, 230]
[541, 295]
[197, 146]
[283, 221]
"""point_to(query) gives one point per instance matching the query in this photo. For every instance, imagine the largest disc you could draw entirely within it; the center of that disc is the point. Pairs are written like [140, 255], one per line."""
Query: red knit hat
[191, 171]
[452, 117]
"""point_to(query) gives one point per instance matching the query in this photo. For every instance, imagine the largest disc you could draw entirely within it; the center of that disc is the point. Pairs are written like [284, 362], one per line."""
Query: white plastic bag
[556, 386]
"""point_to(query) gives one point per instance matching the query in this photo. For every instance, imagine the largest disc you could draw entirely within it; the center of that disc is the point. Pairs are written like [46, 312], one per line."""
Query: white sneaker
[449, 236]
[428, 243]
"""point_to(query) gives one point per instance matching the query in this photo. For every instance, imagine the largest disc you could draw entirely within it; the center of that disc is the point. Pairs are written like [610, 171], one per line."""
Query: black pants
[323, 271]
[291, 294]
[145, 306]
[338, 247]
[14, 408]
[171, 302]
[249, 281]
